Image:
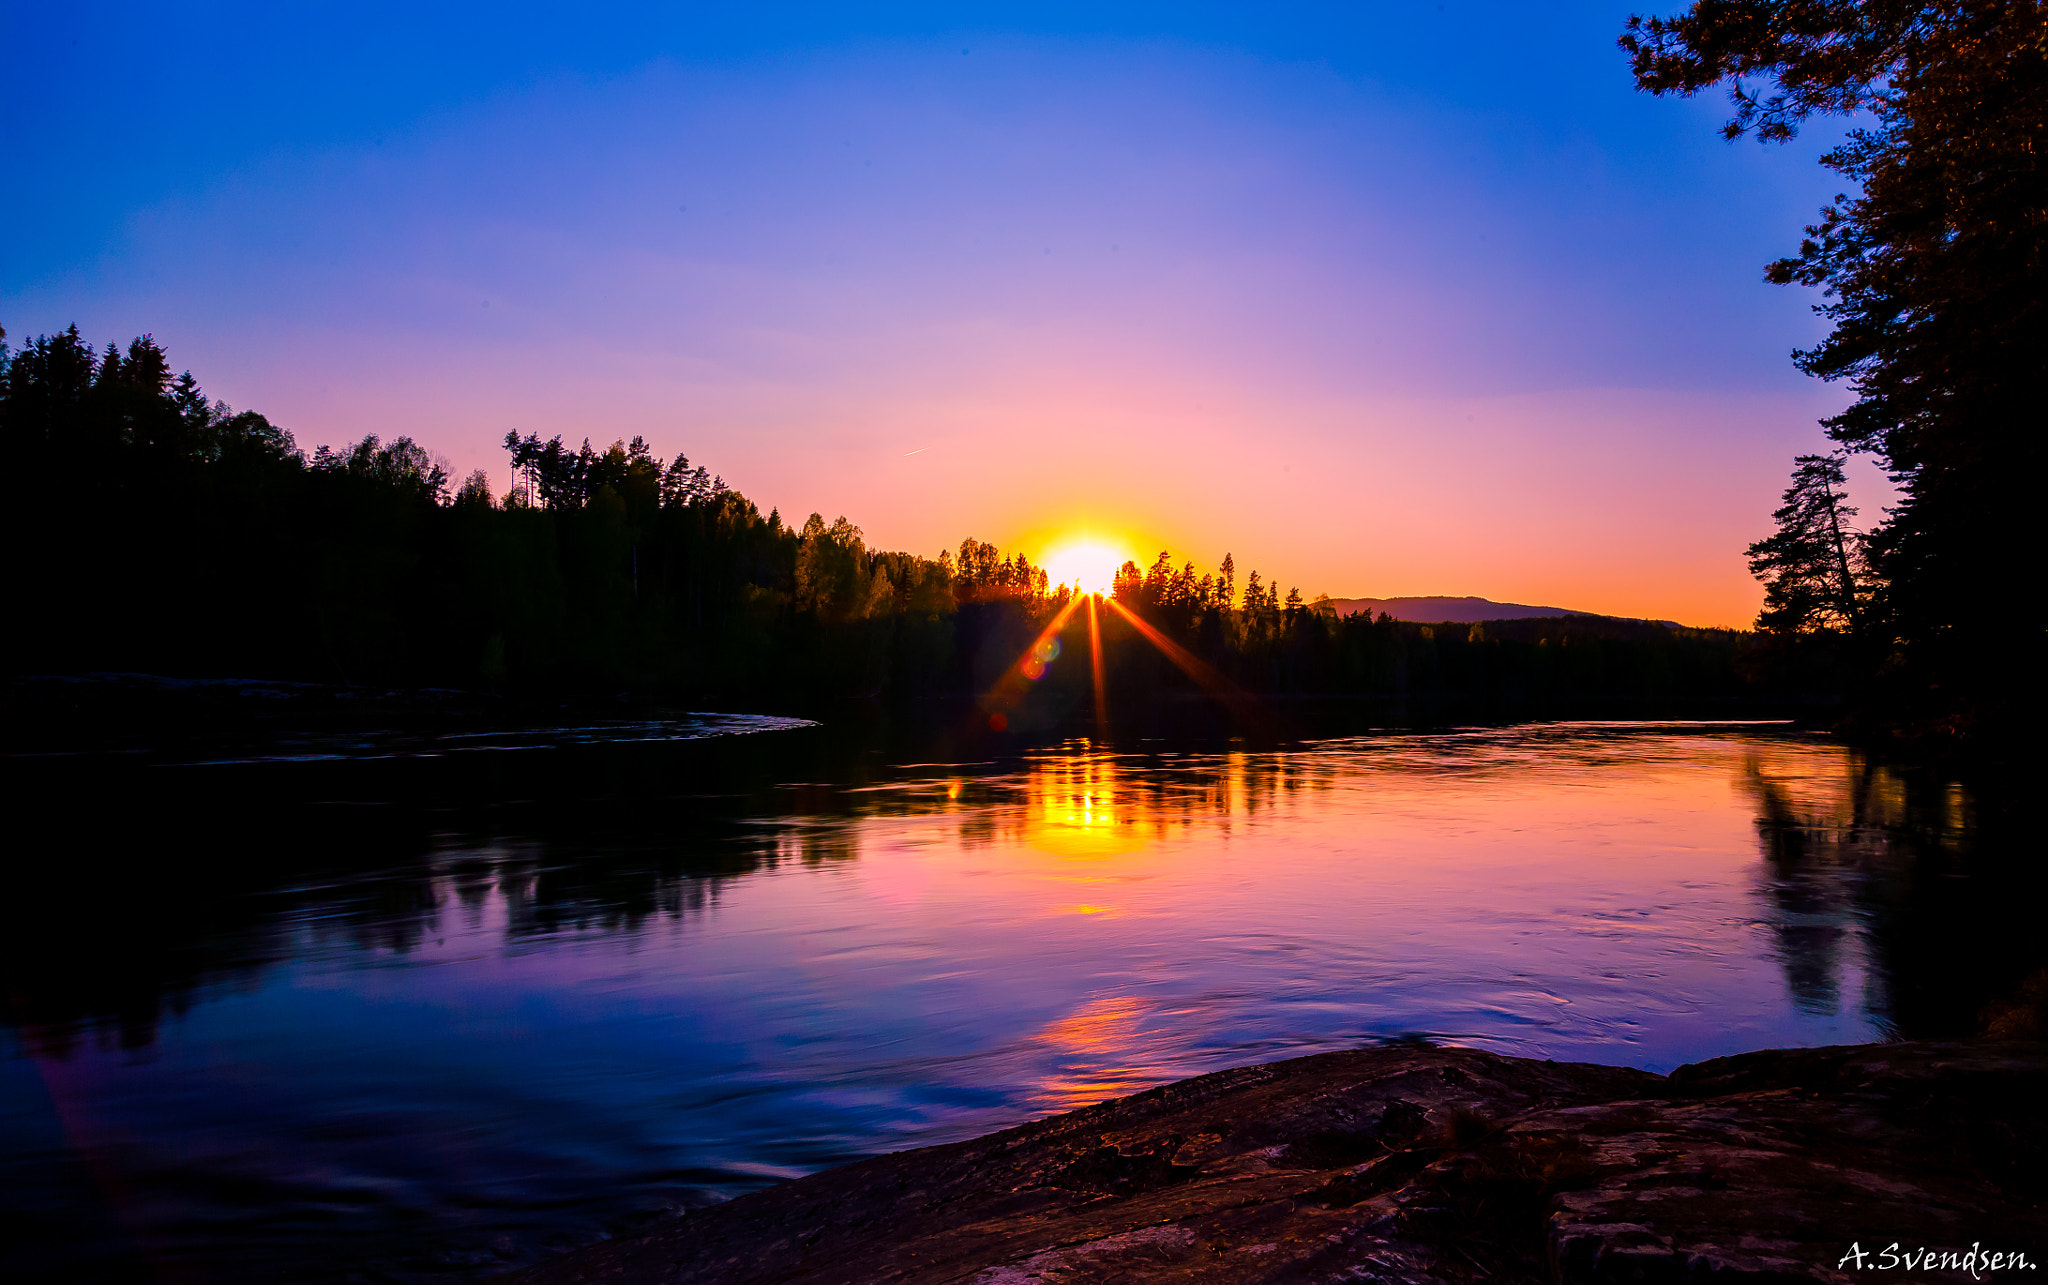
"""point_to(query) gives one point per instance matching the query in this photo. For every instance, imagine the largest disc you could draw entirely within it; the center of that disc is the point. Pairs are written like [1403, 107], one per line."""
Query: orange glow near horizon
[1084, 562]
[1031, 666]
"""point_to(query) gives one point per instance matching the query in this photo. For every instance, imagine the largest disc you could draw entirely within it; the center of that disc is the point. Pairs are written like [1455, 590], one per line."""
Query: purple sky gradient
[1374, 320]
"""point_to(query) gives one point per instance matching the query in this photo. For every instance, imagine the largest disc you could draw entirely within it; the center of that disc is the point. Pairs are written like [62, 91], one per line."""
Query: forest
[192, 539]
[156, 530]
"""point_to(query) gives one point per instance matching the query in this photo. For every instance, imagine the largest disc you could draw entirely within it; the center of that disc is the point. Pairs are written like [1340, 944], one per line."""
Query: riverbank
[103, 712]
[1418, 1165]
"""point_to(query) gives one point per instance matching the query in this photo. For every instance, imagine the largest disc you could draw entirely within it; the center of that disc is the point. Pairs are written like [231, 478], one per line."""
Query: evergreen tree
[1159, 579]
[1129, 583]
[109, 376]
[147, 369]
[1810, 567]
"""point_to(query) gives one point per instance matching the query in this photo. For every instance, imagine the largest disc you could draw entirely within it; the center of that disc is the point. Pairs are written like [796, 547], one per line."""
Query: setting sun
[1088, 565]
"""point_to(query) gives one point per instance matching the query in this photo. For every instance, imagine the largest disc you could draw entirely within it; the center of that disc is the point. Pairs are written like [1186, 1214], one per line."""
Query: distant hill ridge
[1437, 609]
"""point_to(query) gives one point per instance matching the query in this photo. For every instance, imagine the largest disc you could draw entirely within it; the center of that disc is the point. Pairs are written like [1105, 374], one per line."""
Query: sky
[1382, 299]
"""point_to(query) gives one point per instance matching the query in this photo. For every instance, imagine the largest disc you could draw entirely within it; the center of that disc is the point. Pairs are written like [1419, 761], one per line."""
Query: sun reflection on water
[773, 982]
[1074, 809]
[1101, 1050]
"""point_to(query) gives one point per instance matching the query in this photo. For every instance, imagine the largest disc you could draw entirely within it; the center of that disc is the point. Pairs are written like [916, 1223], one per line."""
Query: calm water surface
[486, 1026]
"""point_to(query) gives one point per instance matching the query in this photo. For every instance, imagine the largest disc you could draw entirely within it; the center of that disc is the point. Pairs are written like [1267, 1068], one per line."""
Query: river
[414, 1008]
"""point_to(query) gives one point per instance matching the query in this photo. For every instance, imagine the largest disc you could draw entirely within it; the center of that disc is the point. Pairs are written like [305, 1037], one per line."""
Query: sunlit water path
[440, 1065]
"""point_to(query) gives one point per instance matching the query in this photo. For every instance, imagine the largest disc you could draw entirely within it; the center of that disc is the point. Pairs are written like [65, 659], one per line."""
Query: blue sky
[1383, 299]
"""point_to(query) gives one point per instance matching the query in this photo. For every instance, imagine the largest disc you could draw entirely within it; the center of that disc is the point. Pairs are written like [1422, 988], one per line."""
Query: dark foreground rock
[1431, 1165]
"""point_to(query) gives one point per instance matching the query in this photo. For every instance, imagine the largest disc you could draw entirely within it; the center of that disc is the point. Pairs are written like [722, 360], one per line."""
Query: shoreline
[87, 710]
[1423, 1165]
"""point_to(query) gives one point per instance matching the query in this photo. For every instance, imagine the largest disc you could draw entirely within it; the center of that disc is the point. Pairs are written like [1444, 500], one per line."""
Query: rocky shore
[1420, 1165]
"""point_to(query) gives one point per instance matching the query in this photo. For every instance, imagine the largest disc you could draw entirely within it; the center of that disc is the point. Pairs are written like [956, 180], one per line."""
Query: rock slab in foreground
[1426, 1165]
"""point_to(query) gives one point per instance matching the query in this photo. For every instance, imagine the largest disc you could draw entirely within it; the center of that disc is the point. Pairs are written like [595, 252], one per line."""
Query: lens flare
[1016, 682]
[1095, 663]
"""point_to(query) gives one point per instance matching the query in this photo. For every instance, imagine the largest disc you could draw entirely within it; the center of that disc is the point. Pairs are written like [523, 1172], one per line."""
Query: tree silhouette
[1811, 567]
[1934, 271]
[159, 531]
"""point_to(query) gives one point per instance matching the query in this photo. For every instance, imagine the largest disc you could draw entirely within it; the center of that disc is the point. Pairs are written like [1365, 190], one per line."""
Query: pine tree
[1812, 568]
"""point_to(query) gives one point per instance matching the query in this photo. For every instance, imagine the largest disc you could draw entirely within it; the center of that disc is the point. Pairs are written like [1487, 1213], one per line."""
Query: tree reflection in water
[659, 973]
[135, 919]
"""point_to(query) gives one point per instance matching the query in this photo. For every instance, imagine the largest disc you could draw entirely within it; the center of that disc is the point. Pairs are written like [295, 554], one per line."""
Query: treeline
[1260, 642]
[157, 530]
